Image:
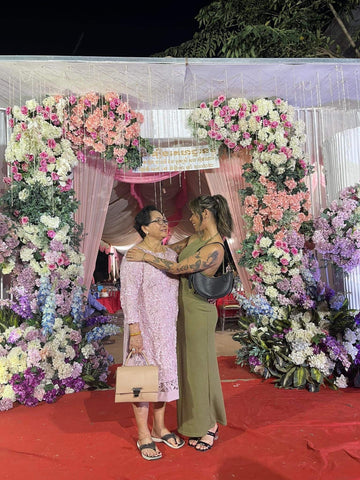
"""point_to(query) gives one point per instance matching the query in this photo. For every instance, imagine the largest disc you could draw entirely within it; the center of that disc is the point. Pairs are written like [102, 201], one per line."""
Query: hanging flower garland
[337, 230]
[277, 201]
[107, 125]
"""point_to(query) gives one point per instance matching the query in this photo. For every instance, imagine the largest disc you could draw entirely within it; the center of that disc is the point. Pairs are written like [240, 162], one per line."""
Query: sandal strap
[201, 442]
[169, 436]
[212, 434]
[150, 445]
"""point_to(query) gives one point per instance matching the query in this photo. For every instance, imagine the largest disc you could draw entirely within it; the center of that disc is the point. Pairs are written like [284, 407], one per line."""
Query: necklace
[161, 248]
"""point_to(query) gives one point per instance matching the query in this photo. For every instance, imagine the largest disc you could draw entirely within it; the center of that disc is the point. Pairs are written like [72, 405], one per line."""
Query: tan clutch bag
[137, 383]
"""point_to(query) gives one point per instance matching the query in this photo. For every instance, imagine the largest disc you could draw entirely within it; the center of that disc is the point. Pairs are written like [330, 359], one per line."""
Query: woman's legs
[159, 429]
[141, 412]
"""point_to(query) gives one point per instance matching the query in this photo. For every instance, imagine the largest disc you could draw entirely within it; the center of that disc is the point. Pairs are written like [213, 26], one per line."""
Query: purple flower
[254, 361]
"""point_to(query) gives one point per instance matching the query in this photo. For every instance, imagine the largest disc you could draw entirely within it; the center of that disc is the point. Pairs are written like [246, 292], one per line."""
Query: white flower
[31, 105]
[265, 242]
[271, 292]
[23, 194]
[50, 222]
[350, 335]
[341, 382]
[322, 363]
[26, 254]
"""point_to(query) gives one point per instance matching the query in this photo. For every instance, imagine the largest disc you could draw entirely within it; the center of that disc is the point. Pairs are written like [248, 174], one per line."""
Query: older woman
[149, 299]
[201, 406]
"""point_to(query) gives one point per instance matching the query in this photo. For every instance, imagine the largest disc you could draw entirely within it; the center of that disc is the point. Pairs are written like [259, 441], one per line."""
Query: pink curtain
[227, 181]
[93, 183]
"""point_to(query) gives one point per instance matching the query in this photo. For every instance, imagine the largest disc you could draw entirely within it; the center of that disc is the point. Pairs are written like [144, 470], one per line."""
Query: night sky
[110, 29]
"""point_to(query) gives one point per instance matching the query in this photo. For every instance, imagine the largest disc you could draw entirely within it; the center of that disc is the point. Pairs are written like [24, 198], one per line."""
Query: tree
[271, 28]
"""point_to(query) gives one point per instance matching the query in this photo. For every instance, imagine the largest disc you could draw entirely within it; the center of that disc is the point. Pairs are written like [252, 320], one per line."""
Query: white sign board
[175, 159]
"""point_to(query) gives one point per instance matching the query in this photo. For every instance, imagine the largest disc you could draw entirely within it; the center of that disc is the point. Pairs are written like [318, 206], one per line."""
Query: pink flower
[255, 253]
[284, 261]
[216, 103]
[254, 108]
[221, 98]
[277, 101]
[203, 105]
[24, 220]
[51, 233]
[51, 143]
[24, 110]
[294, 251]
[246, 135]
[54, 176]
[271, 147]
[234, 128]
[260, 147]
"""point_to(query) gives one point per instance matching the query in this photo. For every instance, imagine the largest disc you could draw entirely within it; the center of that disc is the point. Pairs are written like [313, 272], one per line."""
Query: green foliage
[135, 154]
[8, 318]
[265, 29]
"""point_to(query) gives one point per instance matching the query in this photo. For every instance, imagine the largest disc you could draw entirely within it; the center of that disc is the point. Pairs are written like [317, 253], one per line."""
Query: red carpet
[271, 434]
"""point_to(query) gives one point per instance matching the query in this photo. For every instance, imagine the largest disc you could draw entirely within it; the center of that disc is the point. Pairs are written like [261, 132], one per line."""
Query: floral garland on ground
[36, 366]
[277, 200]
[337, 230]
[302, 349]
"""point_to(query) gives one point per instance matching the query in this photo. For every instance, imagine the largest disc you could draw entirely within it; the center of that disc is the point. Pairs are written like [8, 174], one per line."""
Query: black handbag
[212, 287]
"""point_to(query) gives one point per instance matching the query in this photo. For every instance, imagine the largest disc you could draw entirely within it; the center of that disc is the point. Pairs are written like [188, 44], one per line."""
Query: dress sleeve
[131, 278]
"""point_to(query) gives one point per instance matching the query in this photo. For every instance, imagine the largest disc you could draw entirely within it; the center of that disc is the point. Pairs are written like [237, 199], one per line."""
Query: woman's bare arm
[178, 247]
[208, 257]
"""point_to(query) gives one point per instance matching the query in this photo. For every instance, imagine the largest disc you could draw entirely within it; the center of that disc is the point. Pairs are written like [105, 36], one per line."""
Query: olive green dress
[201, 402]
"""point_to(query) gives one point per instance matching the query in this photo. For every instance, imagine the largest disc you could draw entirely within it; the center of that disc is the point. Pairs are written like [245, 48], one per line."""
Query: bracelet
[134, 334]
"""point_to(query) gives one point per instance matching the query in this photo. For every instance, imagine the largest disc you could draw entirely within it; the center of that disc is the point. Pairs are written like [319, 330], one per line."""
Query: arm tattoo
[198, 265]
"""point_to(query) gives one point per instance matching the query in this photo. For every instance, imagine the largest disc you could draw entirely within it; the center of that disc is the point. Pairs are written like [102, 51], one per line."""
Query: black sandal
[149, 446]
[194, 439]
[205, 444]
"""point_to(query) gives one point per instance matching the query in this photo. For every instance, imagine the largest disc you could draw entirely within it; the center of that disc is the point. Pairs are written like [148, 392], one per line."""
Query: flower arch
[276, 200]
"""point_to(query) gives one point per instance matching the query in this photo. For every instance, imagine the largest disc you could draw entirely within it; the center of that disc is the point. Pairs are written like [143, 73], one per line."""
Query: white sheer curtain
[93, 183]
[342, 160]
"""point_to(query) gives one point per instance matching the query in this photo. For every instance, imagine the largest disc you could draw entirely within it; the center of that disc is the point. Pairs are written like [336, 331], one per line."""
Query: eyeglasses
[160, 221]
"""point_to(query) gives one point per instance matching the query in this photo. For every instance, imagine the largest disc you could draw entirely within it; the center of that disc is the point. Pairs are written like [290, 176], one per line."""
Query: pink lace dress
[150, 297]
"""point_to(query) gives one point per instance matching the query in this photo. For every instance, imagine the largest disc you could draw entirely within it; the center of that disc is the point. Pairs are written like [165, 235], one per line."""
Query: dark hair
[219, 207]
[144, 218]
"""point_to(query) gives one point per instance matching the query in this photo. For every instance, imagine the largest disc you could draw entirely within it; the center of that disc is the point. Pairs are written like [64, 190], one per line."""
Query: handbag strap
[141, 353]
[225, 253]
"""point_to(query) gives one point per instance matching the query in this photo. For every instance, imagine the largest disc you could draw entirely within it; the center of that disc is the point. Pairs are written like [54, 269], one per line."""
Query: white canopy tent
[325, 93]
